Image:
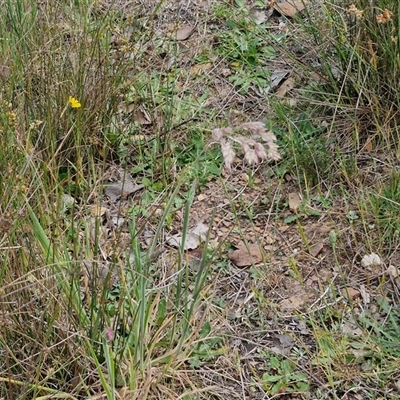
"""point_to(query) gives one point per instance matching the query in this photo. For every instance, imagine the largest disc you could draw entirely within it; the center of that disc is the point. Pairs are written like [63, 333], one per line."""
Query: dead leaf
[184, 32]
[290, 8]
[392, 271]
[282, 351]
[368, 146]
[5, 71]
[98, 211]
[194, 237]
[122, 188]
[350, 293]
[68, 200]
[351, 329]
[283, 228]
[127, 107]
[201, 197]
[286, 87]
[285, 345]
[277, 77]
[193, 258]
[359, 353]
[371, 260]
[275, 80]
[287, 177]
[137, 138]
[316, 248]
[142, 117]
[294, 202]
[285, 340]
[5, 225]
[365, 295]
[295, 302]
[259, 16]
[199, 68]
[245, 256]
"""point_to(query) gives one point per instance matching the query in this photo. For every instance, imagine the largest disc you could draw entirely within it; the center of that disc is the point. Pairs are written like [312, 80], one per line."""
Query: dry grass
[95, 308]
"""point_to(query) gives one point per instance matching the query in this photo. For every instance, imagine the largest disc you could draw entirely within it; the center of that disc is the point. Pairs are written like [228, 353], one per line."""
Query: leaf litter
[271, 264]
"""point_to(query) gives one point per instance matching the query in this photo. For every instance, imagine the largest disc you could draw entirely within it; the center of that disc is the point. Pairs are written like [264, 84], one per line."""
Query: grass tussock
[69, 329]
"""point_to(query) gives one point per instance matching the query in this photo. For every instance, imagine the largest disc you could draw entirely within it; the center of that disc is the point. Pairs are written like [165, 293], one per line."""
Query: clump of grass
[385, 207]
[352, 47]
[68, 332]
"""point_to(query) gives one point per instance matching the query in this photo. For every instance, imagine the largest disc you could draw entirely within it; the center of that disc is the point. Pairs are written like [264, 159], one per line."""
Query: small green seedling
[282, 378]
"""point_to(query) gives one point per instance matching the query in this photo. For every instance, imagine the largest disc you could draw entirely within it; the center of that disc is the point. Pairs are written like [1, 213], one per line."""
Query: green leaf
[302, 386]
[146, 182]
[291, 219]
[267, 378]
[277, 388]
[205, 330]
[275, 362]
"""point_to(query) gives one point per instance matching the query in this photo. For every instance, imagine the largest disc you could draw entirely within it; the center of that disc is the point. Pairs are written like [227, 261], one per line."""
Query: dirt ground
[275, 265]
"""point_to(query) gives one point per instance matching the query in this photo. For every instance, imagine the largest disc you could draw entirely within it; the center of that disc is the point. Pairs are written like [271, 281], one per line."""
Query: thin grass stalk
[72, 293]
[61, 264]
[184, 297]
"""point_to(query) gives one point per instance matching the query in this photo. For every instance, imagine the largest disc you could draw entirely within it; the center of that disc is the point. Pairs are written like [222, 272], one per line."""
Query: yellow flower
[74, 103]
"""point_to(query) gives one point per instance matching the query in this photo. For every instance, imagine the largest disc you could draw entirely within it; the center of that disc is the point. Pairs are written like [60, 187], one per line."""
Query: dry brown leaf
[245, 256]
[201, 197]
[199, 68]
[194, 237]
[286, 87]
[122, 188]
[316, 248]
[365, 295]
[5, 71]
[392, 271]
[368, 146]
[5, 225]
[350, 293]
[98, 211]
[277, 77]
[290, 8]
[259, 16]
[193, 258]
[184, 32]
[294, 202]
[350, 328]
[137, 138]
[295, 302]
[283, 228]
[287, 177]
[142, 117]
[127, 107]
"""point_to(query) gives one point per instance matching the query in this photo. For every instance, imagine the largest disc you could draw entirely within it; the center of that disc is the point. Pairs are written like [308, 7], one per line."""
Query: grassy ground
[154, 245]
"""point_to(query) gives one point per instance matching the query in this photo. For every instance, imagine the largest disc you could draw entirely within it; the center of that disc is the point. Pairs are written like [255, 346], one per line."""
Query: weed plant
[67, 330]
